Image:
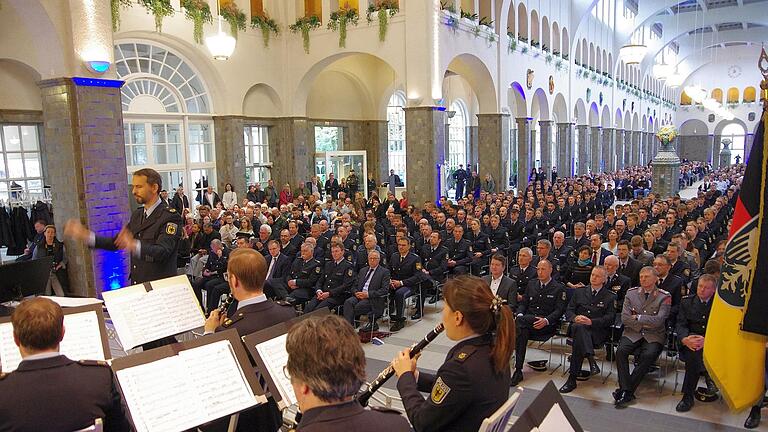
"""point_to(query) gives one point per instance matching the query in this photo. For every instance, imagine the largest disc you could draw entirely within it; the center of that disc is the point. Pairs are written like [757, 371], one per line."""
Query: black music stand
[21, 279]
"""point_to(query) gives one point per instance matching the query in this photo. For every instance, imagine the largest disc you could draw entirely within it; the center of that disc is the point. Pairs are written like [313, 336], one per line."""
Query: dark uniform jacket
[435, 262]
[549, 302]
[619, 285]
[682, 270]
[337, 279]
[522, 277]
[692, 318]
[407, 270]
[59, 394]
[458, 251]
[465, 390]
[159, 235]
[600, 309]
[674, 286]
[631, 270]
[306, 273]
[352, 417]
[499, 238]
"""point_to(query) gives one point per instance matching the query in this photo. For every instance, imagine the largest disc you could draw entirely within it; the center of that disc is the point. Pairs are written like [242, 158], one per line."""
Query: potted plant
[565, 56]
[548, 58]
[448, 6]
[476, 30]
[512, 47]
[339, 21]
[556, 52]
[386, 9]
[234, 16]
[116, 5]
[305, 25]
[159, 9]
[485, 21]
[524, 49]
[559, 65]
[469, 16]
[199, 13]
[535, 44]
[267, 25]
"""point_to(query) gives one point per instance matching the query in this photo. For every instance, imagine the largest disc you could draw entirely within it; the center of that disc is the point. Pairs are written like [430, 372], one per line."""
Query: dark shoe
[711, 386]
[685, 404]
[616, 394]
[753, 420]
[516, 378]
[370, 328]
[416, 316]
[626, 398]
[594, 369]
[569, 386]
[432, 300]
[397, 326]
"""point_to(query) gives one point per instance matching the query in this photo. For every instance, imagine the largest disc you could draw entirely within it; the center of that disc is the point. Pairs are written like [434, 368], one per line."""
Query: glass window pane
[29, 137]
[35, 186]
[174, 135]
[139, 155]
[3, 174]
[160, 154]
[174, 153]
[15, 165]
[12, 139]
[158, 133]
[32, 164]
[128, 156]
[137, 134]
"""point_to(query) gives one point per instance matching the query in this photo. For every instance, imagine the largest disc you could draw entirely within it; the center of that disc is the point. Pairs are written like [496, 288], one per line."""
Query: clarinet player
[474, 380]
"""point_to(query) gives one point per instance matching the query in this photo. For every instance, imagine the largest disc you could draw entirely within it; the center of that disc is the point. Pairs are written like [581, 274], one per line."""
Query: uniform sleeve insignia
[462, 356]
[93, 363]
[172, 210]
[686, 272]
[349, 272]
[418, 266]
[439, 391]
[170, 228]
[227, 323]
[317, 269]
[668, 300]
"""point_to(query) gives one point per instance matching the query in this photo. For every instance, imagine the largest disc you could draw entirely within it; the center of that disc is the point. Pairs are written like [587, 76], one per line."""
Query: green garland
[384, 10]
[339, 21]
[234, 16]
[116, 5]
[159, 9]
[199, 13]
[304, 25]
[267, 25]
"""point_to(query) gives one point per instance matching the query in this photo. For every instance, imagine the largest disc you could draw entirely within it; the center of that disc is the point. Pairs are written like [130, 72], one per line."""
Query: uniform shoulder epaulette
[92, 363]
[465, 352]
[171, 209]
[688, 296]
[664, 292]
[633, 289]
[283, 303]
[231, 321]
[385, 410]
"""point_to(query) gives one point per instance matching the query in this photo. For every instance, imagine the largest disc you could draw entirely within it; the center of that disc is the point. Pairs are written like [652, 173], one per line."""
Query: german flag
[734, 347]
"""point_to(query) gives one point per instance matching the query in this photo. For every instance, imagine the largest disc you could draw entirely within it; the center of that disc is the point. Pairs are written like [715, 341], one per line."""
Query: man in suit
[48, 391]
[405, 268]
[394, 181]
[644, 315]
[591, 313]
[598, 251]
[369, 293]
[164, 198]
[302, 279]
[579, 239]
[278, 267]
[538, 315]
[211, 197]
[335, 282]
[180, 201]
[678, 266]
[628, 266]
[502, 285]
[246, 271]
[332, 187]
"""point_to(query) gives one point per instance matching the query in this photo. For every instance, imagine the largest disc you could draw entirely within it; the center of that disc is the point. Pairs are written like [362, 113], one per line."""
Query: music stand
[548, 412]
[499, 420]
[24, 278]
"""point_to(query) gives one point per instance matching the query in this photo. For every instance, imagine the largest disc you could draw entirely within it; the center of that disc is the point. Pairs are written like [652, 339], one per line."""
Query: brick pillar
[608, 153]
[230, 153]
[290, 152]
[86, 167]
[596, 149]
[628, 148]
[564, 149]
[582, 131]
[545, 136]
[426, 149]
[493, 142]
[524, 153]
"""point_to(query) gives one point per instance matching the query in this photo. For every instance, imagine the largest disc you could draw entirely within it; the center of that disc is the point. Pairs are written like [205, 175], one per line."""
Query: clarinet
[387, 373]
[226, 303]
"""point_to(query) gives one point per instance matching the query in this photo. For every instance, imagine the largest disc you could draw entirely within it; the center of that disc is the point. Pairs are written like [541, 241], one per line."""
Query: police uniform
[465, 390]
[600, 309]
[546, 301]
[458, 251]
[337, 279]
[59, 394]
[306, 274]
[619, 285]
[644, 318]
[407, 270]
[522, 277]
[351, 416]
[478, 243]
[435, 261]
[692, 320]
[499, 239]
[159, 235]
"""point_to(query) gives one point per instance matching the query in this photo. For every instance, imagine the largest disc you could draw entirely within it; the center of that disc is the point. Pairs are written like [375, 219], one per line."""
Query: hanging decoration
[234, 16]
[221, 45]
[116, 5]
[159, 9]
[305, 25]
[340, 20]
[384, 10]
[199, 13]
[267, 25]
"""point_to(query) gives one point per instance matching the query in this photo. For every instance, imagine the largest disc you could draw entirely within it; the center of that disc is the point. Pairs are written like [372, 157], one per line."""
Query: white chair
[499, 420]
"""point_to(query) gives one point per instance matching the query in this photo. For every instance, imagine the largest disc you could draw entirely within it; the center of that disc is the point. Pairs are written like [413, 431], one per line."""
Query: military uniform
[306, 274]
[59, 394]
[619, 285]
[336, 279]
[351, 416]
[407, 270]
[458, 251]
[465, 390]
[545, 301]
[692, 320]
[601, 310]
[159, 235]
[644, 317]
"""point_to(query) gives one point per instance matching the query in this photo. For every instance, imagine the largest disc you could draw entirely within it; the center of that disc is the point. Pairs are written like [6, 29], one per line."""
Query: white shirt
[495, 283]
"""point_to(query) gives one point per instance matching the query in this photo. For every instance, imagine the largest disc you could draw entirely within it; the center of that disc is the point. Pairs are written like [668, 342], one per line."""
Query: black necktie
[646, 296]
[594, 293]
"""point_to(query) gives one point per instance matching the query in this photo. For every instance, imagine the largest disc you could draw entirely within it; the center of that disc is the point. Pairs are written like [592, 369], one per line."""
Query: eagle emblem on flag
[736, 271]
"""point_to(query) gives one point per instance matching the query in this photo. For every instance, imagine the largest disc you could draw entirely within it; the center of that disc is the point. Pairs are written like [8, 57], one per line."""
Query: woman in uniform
[474, 380]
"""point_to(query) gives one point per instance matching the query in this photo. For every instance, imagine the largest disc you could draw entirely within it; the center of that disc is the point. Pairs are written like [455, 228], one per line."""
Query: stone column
[619, 148]
[291, 151]
[425, 151]
[716, 146]
[545, 136]
[596, 149]
[628, 148]
[636, 147]
[666, 172]
[524, 153]
[564, 149]
[650, 140]
[608, 152]
[83, 128]
[230, 153]
[582, 131]
[493, 140]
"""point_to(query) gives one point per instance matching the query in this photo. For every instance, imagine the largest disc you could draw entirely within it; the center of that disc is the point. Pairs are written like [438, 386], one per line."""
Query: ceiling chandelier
[633, 53]
[662, 71]
[675, 79]
[220, 45]
[696, 93]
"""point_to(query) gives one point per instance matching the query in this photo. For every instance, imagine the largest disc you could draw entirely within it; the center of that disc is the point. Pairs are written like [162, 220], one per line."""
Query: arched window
[733, 95]
[735, 132]
[166, 109]
[750, 94]
[457, 134]
[396, 134]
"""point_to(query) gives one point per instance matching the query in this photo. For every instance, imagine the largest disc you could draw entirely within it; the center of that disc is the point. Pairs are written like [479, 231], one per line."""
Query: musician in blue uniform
[474, 380]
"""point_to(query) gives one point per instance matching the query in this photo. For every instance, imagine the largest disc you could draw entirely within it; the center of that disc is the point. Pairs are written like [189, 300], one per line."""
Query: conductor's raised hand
[125, 240]
[74, 230]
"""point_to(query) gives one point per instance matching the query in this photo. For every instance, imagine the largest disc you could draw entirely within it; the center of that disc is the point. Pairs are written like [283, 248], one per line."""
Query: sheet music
[555, 421]
[74, 301]
[168, 309]
[275, 357]
[82, 341]
[180, 392]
